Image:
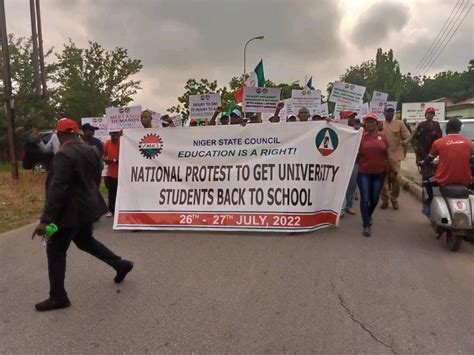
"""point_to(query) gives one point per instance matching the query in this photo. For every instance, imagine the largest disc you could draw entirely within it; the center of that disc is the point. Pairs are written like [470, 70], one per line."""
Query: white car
[467, 128]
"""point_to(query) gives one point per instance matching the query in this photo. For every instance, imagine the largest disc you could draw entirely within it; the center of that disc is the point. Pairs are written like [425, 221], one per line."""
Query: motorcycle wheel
[453, 241]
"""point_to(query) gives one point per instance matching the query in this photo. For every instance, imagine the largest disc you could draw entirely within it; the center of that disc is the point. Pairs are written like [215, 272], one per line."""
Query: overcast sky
[181, 39]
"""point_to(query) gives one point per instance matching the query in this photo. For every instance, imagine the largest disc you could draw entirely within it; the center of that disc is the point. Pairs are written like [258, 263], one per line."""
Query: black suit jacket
[72, 195]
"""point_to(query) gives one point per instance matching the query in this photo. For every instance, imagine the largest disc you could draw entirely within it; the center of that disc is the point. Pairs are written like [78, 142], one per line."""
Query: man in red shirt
[111, 158]
[454, 151]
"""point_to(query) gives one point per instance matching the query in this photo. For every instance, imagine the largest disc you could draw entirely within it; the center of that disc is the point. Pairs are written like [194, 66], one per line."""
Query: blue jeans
[370, 187]
[352, 187]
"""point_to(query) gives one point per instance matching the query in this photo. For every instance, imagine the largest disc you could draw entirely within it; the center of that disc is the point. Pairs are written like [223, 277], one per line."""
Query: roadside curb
[412, 188]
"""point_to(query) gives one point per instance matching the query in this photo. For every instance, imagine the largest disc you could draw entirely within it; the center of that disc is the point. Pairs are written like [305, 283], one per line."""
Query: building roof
[467, 102]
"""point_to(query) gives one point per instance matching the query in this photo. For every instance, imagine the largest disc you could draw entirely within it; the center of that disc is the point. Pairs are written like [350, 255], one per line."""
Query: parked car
[33, 158]
[467, 128]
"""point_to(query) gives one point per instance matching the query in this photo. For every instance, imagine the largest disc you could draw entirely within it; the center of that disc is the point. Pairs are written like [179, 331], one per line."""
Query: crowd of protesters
[74, 201]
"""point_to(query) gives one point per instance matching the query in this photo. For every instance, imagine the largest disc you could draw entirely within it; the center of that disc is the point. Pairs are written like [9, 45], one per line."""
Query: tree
[91, 79]
[382, 74]
[30, 113]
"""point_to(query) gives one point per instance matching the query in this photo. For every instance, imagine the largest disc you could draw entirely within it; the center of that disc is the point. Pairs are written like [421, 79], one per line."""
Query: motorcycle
[451, 212]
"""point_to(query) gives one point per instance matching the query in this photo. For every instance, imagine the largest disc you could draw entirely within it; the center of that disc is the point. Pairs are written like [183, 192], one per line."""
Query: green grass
[4, 166]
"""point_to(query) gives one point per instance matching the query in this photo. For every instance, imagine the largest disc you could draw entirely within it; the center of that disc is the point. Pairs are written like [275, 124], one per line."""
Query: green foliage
[31, 113]
[81, 83]
[92, 79]
[383, 74]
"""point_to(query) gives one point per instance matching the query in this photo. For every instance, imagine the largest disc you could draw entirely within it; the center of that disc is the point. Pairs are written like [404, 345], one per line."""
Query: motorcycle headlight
[461, 220]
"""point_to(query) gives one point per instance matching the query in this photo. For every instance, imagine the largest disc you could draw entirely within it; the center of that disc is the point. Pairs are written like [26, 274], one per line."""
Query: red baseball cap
[430, 110]
[67, 125]
[370, 116]
[348, 114]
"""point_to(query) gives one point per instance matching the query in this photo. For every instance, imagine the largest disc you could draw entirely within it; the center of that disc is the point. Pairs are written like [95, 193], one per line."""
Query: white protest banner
[415, 111]
[339, 108]
[323, 110]
[261, 99]
[311, 99]
[347, 94]
[204, 105]
[243, 178]
[177, 120]
[101, 124]
[363, 110]
[123, 117]
[378, 107]
[379, 96]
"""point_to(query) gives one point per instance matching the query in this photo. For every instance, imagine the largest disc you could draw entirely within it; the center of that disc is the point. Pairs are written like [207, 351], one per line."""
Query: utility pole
[7, 92]
[38, 71]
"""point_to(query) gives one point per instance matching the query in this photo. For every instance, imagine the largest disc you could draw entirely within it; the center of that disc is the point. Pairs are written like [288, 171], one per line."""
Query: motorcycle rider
[454, 151]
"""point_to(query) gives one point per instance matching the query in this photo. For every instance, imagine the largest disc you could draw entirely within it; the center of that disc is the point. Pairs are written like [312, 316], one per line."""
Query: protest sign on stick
[379, 96]
[311, 99]
[123, 117]
[262, 100]
[203, 105]
[347, 94]
[100, 123]
[378, 107]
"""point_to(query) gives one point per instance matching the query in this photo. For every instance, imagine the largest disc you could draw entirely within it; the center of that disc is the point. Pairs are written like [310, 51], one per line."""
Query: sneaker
[395, 205]
[109, 215]
[51, 304]
[384, 205]
[351, 211]
[366, 232]
[125, 267]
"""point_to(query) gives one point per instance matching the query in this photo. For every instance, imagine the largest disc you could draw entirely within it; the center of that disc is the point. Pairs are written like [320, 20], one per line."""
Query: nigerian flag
[255, 79]
[309, 84]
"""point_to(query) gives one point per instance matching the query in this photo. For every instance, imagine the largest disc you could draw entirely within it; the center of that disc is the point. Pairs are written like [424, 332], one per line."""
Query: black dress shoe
[123, 270]
[51, 304]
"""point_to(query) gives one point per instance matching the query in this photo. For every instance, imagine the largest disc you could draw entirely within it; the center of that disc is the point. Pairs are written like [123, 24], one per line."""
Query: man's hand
[39, 230]
[166, 118]
[35, 136]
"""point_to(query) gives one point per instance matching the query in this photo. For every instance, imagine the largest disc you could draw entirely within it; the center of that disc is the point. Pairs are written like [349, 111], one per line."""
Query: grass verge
[21, 201]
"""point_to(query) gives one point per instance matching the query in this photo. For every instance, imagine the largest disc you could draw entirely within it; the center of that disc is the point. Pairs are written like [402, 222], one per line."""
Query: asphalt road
[334, 291]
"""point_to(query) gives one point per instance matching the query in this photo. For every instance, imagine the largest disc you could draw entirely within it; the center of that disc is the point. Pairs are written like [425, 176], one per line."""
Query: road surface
[330, 292]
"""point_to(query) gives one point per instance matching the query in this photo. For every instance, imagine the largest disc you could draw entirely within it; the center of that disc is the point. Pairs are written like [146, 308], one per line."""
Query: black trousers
[111, 184]
[57, 248]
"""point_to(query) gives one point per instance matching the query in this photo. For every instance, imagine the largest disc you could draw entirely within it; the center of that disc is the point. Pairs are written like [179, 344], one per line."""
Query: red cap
[430, 110]
[369, 116]
[67, 125]
[348, 114]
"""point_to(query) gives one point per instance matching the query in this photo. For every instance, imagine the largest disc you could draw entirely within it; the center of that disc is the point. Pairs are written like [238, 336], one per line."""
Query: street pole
[34, 55]
[40, 48]
[7, 94]
[245, 57]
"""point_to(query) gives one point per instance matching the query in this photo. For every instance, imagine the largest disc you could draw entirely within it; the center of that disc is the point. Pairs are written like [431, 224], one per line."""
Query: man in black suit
[73, 203]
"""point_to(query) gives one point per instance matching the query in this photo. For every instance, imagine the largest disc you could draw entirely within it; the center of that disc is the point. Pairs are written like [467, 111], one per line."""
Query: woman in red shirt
[372, 162]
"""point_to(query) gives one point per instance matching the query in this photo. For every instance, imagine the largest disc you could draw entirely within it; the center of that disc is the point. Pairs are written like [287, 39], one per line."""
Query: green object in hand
[51, 229]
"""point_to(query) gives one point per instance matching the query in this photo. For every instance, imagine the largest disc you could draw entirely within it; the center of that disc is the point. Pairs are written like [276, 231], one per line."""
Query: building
[461, 109]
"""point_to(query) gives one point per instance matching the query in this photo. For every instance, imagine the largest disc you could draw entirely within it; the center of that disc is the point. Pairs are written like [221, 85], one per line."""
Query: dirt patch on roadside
[20, 202]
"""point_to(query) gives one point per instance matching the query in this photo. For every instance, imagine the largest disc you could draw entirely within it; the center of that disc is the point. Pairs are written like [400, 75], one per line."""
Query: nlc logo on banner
[327, 141]
[252, 178]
